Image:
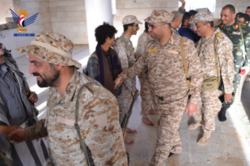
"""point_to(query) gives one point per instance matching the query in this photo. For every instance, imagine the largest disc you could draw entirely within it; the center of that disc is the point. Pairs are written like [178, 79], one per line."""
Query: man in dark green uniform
[241, 49]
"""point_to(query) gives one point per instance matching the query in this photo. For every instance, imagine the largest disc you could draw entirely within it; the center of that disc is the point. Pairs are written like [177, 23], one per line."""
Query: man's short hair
[186, 16]
[193, 12]
[125, 27]
[208, 22]
[230, 7]
[104, 31]
[248, 7]
[177, 15]
[246, 17]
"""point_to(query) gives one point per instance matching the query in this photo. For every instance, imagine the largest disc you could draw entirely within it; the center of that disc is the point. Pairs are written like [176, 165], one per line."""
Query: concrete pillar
[97, 12]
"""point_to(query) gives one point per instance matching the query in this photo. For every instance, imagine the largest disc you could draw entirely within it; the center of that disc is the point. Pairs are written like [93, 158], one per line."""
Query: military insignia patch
[243, 24]
[173, 52]
[236, 26]
[222, 26]
[236, 33]
[219, 35]
[152, 50]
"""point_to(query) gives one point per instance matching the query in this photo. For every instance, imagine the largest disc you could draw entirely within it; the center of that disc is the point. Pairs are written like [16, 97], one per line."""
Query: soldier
[125, 50]
[233, 30]
[50, 55]
[215, 53]
[146, 96]
[168, 81]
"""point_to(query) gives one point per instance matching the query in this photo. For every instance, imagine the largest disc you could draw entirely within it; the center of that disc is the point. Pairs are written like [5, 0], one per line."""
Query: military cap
[51, 47]
[129, 19]
[158, 16]
[202, 16]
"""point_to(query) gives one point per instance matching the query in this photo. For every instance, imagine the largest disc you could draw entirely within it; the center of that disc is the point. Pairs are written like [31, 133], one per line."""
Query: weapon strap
[83, 145]
[185, 63]
[216, 61]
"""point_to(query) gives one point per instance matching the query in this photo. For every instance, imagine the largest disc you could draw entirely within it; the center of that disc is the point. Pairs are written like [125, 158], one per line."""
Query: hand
[228, 97]
[18, 136]
[183, 1]
[33, 97]
[118, 81]
[242, 71]
[6, 130]
[136, 55]
[192, 108]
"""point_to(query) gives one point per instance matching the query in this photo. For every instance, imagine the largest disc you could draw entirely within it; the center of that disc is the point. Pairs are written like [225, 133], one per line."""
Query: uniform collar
[171, 40]
[70, 91]
[125, 37]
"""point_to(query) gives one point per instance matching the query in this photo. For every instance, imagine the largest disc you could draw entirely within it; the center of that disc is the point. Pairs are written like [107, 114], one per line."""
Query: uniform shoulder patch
[219, 35]
[152, 50]
[244, 24]
[222, 25]
[236, 26]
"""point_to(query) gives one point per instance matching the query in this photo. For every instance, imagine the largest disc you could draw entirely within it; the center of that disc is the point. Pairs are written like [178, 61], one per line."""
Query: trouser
[212, 105]
[168, 132]
[124, 101]
[236, 82]
[146, 95]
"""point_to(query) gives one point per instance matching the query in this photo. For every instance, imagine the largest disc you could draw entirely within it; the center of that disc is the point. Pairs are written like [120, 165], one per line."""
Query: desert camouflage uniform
[210, 99]
[125, 50]
[98, 121]
[167, 82]
[146, 96]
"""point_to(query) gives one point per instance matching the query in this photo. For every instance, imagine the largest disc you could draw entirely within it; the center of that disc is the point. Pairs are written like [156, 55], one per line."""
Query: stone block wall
[5, 11]
[69, 18]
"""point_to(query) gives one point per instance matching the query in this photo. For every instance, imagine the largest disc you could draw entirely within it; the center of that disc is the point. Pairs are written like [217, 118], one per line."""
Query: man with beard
[239, 34]
[17, 111]
[125, 50]
[82, 116]
[172, 77]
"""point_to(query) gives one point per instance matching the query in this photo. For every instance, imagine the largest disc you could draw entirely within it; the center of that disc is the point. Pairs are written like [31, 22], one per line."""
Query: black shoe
[170, 154]
[222, 114]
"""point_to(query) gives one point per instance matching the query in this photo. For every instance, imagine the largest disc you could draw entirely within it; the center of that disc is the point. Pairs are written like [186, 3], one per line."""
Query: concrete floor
[228, 146]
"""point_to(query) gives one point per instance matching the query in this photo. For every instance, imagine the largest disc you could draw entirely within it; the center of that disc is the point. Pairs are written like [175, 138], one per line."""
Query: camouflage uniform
[146, 96]
[125, 50]
[167, 82]
[205, 49]
[233, 33]
[98, 113]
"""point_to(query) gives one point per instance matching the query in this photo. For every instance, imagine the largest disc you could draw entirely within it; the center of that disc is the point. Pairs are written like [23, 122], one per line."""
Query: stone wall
[69, 18]
[5, 11]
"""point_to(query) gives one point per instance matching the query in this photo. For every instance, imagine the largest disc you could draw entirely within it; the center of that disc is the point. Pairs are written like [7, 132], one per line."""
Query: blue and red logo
[22, 22]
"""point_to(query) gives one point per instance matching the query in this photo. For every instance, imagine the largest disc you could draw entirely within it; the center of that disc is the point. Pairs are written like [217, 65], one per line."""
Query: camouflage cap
[51, 47]
[202, 16]
[158, 16]
[129, 19]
